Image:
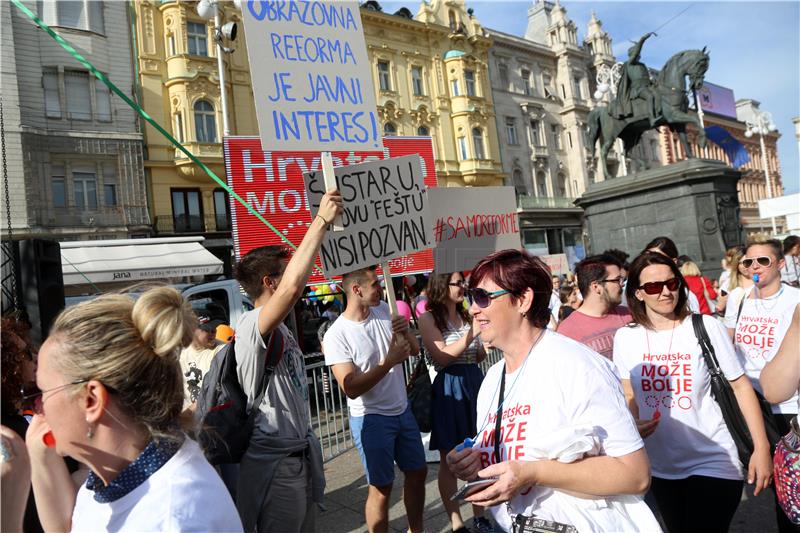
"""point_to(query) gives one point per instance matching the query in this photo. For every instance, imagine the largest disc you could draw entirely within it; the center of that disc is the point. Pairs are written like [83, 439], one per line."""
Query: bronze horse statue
[672, 103]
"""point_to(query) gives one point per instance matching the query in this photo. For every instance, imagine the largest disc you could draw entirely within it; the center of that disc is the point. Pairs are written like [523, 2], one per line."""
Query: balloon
[422, 306]
[312, 296]
[404, 309]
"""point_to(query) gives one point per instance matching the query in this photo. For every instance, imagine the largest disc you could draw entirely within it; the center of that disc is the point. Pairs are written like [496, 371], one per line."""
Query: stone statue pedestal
[694, 202]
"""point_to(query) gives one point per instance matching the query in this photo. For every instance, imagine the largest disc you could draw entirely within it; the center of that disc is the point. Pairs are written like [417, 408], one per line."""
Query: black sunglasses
[763, 260]
[656, 287]
[483, 298]
[458, 283]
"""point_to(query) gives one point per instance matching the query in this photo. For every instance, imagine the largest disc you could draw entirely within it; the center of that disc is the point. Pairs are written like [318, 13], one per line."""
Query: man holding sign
[365, 349]
[281, 475]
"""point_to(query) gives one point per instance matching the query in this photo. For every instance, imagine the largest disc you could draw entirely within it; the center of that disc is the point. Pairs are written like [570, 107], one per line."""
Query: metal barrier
[327, 403]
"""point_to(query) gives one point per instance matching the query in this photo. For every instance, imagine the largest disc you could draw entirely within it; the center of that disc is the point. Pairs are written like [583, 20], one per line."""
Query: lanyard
[499, 420]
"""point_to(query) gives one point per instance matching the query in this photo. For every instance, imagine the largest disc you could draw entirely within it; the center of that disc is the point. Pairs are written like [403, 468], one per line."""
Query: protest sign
[557, 263]
[470, 223]
[272, 182]
[312, 80]
[386, 213]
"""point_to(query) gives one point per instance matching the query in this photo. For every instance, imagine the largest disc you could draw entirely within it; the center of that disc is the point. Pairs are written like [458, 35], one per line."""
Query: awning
[136, 259]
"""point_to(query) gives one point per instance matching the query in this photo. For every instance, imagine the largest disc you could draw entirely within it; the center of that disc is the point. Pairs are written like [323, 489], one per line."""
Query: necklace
[759, 301]
[671, 335]
[501, 387]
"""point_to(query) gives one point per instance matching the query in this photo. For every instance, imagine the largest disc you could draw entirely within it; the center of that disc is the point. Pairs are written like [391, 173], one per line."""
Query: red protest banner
[272, 183]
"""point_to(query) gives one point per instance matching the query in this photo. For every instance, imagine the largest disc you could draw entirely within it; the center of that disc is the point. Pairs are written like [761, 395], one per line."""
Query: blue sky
[754, 47]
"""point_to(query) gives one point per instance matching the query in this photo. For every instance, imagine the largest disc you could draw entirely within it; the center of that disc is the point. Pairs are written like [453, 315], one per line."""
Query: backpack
[226, 425]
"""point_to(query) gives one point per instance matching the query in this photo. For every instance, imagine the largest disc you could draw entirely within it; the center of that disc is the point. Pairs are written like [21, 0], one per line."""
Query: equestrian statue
[641, 104]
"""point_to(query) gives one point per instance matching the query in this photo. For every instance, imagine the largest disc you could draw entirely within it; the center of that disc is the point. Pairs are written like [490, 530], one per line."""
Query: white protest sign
[386, 213]
[312, 80]
[557, 263]
[469, 223]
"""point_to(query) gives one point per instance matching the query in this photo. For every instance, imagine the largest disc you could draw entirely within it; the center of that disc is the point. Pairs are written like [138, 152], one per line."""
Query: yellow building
[431, 78]
[179, 88]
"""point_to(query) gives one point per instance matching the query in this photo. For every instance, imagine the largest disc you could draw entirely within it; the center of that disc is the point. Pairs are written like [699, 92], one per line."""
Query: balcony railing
[191, 223]
[545, 202]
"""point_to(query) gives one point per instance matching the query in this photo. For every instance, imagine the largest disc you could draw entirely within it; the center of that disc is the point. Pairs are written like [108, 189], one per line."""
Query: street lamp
[761, 123]
[208, 9]
[607, 79]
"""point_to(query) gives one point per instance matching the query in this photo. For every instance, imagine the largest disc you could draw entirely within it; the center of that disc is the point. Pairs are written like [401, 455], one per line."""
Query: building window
[205, 124]
[389, 129]
[187, 211]
[85, 187]
[79, 101]
[177, 126]
[52, 98]
[477, 140]
[110, 194]
[197, 38]
[78, 14]
[416, 81]
[535, 138]
[569, 139]
[562, 186]
[102, 101]
[511, 130]
[451, 17]
[171, 44]
[454, 90]
[469, 81]
[541, 183]
[110, 184]
[526, 81]
[58, 186]
[384, 80]
[503, 76]
[423, 131]
[519, 186]
[221, 213]
[556, 136]
[462, 148]
[576, 87]
[563, 91]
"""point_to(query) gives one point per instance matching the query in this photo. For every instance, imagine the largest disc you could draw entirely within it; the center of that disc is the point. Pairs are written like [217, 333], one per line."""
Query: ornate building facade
[179, 87]
[543, 85]
[73, 152]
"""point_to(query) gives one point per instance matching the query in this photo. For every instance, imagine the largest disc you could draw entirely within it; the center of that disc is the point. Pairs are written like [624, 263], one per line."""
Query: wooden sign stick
[387, 280]
[330, 183]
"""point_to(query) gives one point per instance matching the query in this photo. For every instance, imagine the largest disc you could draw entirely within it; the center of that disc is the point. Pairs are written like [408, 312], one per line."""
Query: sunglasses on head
[483, 298]
[656, 287]
[763, 260]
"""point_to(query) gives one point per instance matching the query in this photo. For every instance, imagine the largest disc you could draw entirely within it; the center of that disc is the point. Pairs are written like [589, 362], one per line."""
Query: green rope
[95, 287]
[100, 76]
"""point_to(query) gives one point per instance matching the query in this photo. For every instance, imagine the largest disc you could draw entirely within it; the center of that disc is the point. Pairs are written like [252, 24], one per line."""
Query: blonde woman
[738, 282]
[111, 397]
[700, 286]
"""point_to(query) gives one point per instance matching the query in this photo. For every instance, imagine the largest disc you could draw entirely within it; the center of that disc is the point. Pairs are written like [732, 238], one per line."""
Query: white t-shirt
[724, 280]
[555, 306]
[668, 374]
[759, 332]
[365, 344]
[194, 366]
[694, 304]
[562, 384]
[186, 494]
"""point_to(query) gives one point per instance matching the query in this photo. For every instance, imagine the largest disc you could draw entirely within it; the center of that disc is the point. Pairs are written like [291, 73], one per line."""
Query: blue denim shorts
[381, 440]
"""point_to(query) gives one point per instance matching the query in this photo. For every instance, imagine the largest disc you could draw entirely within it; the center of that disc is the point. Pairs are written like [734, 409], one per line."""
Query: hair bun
[164, 320]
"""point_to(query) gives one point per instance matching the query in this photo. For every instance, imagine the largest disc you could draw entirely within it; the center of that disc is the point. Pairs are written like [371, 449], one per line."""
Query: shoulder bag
[787, 473]
[725, 397]
[419, 390]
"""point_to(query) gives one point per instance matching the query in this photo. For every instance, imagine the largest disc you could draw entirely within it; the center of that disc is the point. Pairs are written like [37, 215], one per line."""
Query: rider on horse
[634, 83]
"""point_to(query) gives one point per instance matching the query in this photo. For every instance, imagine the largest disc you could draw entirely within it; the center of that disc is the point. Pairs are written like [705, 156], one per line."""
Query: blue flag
[736, 152]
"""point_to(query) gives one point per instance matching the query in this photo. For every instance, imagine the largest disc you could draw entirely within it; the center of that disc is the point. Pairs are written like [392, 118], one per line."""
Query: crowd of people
[601, 414]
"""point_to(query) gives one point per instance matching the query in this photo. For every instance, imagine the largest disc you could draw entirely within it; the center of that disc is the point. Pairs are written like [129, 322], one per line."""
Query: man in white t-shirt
[759, 323]
[365, 349]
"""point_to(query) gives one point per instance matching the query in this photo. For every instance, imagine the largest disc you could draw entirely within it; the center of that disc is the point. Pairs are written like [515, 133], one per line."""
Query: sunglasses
[458, 284]
[483, 298]
[38, 397]
[656, 287]
[619, 281]
[763, 260]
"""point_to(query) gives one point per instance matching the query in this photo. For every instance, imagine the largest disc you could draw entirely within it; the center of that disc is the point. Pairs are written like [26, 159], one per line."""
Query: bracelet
[323, 220]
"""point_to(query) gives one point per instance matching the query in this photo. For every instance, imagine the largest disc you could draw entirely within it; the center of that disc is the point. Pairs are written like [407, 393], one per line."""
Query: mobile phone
[471, 488]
